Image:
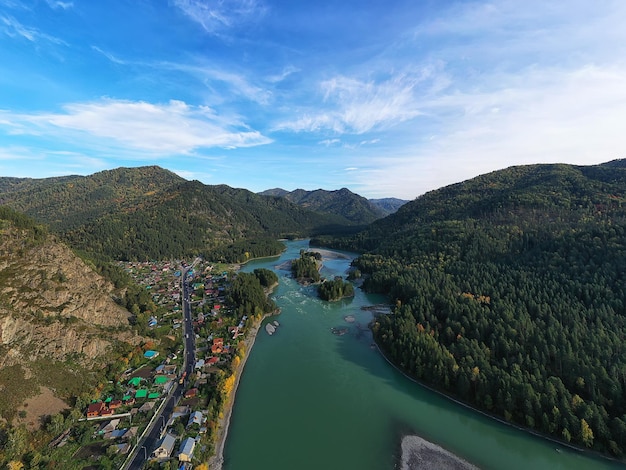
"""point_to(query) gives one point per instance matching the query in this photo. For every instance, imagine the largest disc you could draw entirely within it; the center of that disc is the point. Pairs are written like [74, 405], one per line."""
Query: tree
[586, 434]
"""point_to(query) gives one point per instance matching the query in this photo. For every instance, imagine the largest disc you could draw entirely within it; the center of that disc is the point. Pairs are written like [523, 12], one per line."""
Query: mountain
[59, 324]
[388, 205]
[151, 213]
[342, 202]
[510, 295]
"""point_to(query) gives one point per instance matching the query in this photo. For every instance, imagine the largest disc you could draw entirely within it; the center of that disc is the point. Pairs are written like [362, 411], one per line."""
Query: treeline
[335, 289]
[23, 222]
[247, 293]
[306, 267]
[245, 250]
[511, 295]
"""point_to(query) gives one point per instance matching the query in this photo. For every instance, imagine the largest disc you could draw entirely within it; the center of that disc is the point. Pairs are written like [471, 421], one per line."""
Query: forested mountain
[388, 205]
[342, 202]
[150, 213]
[511, 295]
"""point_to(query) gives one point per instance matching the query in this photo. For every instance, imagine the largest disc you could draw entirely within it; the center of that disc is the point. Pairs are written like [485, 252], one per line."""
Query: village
[131, 404]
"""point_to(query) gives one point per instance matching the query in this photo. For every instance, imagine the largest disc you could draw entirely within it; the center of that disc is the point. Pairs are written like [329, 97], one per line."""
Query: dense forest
[305, 268]
[510, 294]
[342, 202]
[335, 289]
[150, 213]
[248, 294]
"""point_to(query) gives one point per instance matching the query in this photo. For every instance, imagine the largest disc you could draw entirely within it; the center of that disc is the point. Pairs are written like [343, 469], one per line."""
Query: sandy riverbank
[328, 254]
[418, 453]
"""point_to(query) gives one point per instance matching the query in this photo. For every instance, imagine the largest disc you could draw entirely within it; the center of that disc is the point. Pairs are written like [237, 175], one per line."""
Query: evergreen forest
[510, 294]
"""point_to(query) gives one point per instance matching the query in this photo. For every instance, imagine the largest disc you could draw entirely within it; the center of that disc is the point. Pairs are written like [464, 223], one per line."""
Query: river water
[310, 399]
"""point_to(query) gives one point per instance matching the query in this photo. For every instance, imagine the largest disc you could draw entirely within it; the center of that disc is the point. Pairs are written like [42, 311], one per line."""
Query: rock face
[53, 305]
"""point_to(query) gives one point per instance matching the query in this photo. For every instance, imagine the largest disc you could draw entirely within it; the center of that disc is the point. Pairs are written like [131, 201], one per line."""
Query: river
[310, 399]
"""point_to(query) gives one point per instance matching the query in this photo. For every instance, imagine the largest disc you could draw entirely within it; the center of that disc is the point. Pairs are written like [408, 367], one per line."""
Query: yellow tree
[586, 434]
[15, 465]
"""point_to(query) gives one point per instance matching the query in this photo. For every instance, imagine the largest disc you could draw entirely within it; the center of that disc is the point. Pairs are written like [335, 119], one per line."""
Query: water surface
[309, 399]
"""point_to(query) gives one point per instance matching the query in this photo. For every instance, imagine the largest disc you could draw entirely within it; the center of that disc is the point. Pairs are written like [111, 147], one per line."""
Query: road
[151, 436]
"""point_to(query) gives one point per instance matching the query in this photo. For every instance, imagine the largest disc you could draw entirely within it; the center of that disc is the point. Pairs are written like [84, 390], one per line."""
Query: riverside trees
[511, 296]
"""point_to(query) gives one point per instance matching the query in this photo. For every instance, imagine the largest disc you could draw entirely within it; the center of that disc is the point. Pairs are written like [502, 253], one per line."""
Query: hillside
[342, 202]
[59, 325]
[150, 213]
[388, 205]
[511, 295]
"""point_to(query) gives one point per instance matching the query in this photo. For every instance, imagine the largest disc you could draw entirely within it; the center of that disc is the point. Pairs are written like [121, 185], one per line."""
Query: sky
[388, 98]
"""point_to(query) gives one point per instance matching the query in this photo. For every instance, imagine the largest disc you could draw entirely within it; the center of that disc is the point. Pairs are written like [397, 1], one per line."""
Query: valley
[506, 289]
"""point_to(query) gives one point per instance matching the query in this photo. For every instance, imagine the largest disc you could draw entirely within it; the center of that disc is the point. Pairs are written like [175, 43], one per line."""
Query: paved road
[148, 443]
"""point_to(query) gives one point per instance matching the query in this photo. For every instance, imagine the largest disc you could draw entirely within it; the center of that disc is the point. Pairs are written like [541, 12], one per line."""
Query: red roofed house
[212, 360]
[192, 392]
[115, 404]
[95, 409]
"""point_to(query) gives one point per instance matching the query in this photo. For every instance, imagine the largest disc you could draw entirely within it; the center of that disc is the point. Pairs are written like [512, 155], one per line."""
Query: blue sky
[387, 98]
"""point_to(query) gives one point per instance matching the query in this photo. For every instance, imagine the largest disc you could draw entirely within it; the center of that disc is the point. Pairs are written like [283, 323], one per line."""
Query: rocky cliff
[52, 305]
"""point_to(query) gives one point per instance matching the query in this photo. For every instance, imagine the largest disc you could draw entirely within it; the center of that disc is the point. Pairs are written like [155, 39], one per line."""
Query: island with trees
[306, 268]
[335, 290]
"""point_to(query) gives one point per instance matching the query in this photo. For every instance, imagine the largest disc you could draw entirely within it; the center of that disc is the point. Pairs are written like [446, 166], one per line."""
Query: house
[216, 349]
[110, 426]
[185, 452]
[195, 418]
[165, 447]
[212, 360]
[199, 364]
[192, 392]
[115, 404]
[95, 409]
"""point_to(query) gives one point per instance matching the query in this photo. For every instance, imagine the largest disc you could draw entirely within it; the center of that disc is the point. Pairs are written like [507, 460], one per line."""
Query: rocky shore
[418, 453]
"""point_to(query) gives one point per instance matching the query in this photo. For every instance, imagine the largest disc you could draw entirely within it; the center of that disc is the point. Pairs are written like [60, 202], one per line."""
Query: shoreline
[216, 461]
[495, 417]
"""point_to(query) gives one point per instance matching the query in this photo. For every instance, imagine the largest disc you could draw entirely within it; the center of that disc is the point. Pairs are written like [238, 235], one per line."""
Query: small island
[335, 290]
[306, 268]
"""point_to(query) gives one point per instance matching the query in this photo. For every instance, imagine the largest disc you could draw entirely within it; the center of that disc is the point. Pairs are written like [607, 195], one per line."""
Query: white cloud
[14, 29]
[57, 4]
[158, 129]
[287, 71]
[329, 142]
[216, 15]
[353, 105]
[109, 56]
[535, 116]
[211, 77]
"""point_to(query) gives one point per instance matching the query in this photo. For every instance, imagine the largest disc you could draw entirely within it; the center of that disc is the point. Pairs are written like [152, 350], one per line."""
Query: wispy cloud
[109, 56]
[14, 29]
[535, 116]
[158, 129]
[217, 15]
[355, 106]
[329, 142]
[287, 71]
[58, 4]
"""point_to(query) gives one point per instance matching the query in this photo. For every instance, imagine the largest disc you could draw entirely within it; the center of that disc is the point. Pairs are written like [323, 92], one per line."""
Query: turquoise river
[310, 399]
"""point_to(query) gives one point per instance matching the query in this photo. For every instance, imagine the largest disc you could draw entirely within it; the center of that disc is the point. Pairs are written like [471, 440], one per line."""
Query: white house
[165, 447]
[186, 450]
